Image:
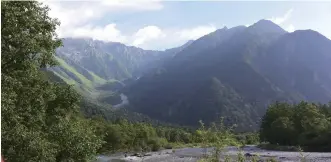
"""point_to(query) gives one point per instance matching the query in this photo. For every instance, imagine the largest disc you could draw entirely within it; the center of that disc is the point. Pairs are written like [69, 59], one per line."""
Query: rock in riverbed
[193, 154]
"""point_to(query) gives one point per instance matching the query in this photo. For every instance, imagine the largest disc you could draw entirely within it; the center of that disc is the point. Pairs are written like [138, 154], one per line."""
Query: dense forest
[45, 119]
[307, 125]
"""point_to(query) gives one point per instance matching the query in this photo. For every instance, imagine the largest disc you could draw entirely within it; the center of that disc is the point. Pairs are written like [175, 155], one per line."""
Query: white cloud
[290, 28]
[146, 34]
[148, 37]
[106, 33]
[77, 20]
[280, 20]
[172, 37]
[77, 14]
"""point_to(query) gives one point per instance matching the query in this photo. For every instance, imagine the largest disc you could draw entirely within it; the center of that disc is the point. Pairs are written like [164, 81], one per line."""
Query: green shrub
[156, 143]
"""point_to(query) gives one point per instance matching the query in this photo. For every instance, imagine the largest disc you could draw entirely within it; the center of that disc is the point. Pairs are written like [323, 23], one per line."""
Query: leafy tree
[40, 120]
[304, 124]
[274, 112]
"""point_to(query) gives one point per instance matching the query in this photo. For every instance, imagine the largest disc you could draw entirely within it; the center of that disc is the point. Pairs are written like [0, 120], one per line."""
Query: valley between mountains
[233, 73]
[231, 95]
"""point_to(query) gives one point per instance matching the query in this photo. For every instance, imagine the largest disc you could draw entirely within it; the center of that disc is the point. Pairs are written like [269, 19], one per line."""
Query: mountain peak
[308, 32]
[266, 26]
[265, 22]
[308, 35]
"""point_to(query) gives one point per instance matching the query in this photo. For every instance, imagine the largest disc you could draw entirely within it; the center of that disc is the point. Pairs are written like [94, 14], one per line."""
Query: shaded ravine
[124, 99]
[193, 154]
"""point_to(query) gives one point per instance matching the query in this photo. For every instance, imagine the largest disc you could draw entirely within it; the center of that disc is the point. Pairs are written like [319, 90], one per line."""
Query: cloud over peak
[280, 20]
[77, 23]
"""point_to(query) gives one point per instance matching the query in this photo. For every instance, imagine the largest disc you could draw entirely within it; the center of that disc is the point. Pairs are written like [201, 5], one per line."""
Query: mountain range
[99, 69]
[232, 73]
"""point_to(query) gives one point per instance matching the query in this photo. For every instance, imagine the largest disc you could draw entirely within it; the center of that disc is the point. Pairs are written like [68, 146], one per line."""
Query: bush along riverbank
[285, 127]
[124, 136]
[307, 125]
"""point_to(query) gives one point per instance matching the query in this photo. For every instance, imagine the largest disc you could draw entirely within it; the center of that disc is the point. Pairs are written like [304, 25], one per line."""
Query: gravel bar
[193, 154]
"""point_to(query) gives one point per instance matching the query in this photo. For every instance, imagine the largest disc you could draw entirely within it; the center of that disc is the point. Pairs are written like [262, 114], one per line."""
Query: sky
[159, 25]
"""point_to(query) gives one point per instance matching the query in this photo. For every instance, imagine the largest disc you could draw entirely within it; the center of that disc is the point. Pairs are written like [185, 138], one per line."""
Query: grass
[97, 79]
[84, 85]
[82, 78]
[87, 86]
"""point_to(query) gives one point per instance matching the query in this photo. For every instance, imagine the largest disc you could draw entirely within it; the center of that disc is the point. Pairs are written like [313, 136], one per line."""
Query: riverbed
[193, 154]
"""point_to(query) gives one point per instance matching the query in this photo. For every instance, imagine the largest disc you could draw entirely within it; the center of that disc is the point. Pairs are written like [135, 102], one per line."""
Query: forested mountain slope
[235, 73]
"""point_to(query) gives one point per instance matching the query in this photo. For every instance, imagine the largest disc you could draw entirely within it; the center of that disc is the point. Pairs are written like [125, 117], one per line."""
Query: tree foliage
[123, 135]
[304, 124]
[40, 120]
